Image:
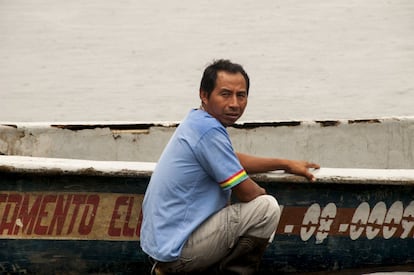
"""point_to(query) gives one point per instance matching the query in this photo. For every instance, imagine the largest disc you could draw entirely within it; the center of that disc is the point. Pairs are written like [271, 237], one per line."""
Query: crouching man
[188, 224]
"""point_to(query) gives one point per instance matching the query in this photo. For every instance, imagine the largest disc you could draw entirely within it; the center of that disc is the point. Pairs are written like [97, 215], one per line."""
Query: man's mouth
[235, 115]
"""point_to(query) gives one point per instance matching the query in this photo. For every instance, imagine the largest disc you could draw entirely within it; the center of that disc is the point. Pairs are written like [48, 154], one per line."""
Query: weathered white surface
[347, 175]
[92, 167]
[73, 166]
[380, 143]
[387, 143]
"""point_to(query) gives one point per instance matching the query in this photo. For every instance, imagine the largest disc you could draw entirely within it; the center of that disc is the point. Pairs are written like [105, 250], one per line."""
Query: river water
[126, 60]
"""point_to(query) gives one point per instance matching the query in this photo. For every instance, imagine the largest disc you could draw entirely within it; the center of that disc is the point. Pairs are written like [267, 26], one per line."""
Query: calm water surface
[102, 60]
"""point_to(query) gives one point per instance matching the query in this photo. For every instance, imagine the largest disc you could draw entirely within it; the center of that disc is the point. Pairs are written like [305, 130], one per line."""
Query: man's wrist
[283, 164]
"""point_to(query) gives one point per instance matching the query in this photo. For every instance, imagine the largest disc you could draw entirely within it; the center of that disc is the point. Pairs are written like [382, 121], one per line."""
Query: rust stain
[130, 131]
[39, 171]
[252, 125]
[112, 127]
[328, 123]
[364, 121]
[10, 125]
[6, 168]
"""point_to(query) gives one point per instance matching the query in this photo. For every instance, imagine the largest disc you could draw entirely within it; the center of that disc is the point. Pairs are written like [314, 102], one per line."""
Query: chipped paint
[10, 125]
[253, 125]
[113, 127]
[364, 121]
[329, 123]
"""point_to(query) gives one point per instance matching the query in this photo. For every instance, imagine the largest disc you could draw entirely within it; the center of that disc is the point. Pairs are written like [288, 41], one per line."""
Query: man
[188, 223]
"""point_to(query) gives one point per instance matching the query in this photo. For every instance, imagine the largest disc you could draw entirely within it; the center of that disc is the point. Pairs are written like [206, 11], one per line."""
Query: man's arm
[254, 164]
[248, 190]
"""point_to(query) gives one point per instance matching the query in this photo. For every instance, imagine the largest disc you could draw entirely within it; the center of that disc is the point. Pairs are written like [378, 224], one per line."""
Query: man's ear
[203, 96]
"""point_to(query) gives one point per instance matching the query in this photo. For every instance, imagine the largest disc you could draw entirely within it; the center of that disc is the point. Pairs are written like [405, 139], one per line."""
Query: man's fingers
[312, 165]
[308, 174]
[302, 169]
[310, 177]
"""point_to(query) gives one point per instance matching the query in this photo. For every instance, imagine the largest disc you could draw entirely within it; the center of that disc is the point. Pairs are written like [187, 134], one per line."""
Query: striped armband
[234, 180]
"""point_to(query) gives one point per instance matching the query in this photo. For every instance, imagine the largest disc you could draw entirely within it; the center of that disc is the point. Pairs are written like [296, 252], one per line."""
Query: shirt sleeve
[216, 155]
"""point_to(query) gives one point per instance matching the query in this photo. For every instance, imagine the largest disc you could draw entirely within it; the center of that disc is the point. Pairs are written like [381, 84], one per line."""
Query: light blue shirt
[191, 181]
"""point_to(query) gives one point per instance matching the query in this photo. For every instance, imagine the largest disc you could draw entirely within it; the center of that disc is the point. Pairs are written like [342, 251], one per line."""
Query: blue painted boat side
[91, 224]
[337, 226]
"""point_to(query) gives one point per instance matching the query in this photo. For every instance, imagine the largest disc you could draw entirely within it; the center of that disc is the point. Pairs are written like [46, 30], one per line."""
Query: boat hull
[89, 223]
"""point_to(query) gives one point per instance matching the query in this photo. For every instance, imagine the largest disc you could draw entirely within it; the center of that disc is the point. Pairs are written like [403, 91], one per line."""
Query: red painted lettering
[77, 201]
[39, 228]
[127, 231]
[60, 214]
[138, 230]
[7, 223]
[112, 230]
[28, 216]
[85, 227]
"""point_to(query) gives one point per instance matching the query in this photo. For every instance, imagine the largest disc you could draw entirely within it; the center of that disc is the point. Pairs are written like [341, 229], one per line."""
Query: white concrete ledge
[385, 143]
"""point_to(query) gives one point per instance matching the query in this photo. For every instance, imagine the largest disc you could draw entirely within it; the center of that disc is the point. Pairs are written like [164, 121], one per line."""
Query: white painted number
[366, 222]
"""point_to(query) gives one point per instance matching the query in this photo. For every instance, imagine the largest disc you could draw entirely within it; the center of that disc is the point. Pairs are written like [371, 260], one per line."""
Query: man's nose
[234, 101]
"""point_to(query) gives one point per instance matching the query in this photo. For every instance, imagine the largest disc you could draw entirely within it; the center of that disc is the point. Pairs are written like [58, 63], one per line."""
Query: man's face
[228, 99]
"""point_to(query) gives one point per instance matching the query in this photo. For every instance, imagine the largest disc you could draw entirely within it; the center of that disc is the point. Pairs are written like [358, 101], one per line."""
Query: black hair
[208, 81]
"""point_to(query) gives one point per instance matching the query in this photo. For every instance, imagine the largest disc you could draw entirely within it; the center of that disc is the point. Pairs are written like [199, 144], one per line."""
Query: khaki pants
[213, 240]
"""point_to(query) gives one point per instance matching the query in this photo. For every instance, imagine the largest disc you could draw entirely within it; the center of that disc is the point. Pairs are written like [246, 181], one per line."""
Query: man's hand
[301, 168]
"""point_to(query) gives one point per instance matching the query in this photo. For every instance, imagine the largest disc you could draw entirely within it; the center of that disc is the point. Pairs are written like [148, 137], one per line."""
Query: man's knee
[270, 209]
